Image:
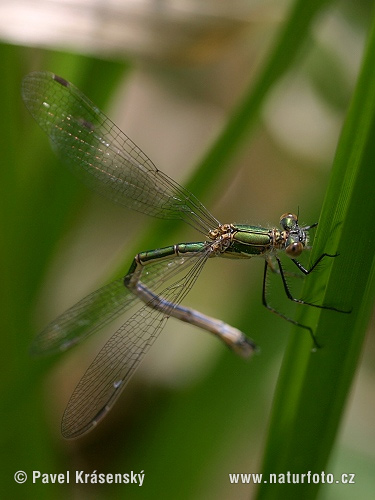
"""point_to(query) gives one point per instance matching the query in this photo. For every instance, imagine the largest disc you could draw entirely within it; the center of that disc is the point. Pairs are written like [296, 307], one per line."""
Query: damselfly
[108, 161]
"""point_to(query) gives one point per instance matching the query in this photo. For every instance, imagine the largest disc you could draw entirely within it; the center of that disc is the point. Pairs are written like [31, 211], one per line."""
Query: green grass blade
[313, 386]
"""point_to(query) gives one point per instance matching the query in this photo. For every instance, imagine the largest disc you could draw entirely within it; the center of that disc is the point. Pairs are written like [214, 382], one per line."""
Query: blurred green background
[250, 125]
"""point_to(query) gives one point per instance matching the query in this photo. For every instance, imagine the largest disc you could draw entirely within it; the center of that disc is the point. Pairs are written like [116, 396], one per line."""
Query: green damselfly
[109, 162]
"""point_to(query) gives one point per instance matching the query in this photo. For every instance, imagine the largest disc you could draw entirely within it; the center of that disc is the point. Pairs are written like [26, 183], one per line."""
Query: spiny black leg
[264, 301]
[308, 271]
[300, 301]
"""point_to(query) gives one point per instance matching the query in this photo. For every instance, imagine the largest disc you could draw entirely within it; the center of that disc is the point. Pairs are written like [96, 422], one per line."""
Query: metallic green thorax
[248, 241]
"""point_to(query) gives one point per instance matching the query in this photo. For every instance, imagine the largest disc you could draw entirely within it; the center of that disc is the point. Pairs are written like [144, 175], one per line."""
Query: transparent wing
[84, 318]
[103, 156]
[101, 307]
[112, 368]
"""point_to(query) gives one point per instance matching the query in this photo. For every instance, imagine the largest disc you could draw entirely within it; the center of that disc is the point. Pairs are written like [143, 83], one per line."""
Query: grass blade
[313, 387]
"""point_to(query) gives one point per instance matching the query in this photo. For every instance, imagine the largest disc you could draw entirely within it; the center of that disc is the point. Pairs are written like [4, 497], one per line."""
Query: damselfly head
[295, 236]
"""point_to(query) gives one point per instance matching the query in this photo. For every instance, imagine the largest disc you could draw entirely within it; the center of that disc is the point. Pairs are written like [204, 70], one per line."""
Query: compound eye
[288, 221]
[294, 249]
